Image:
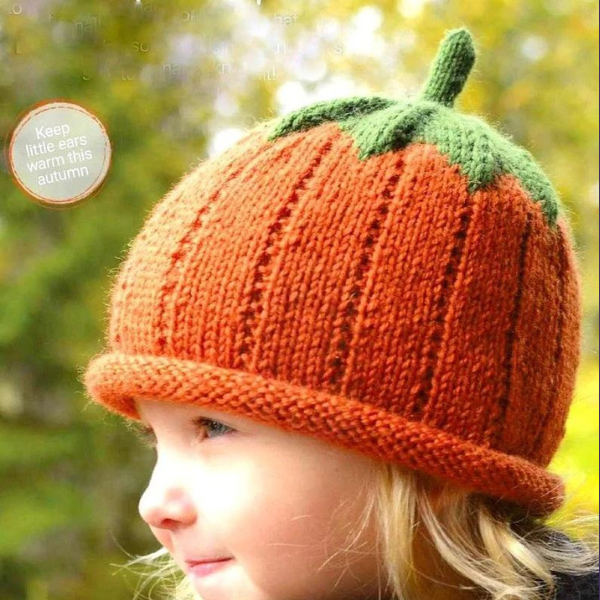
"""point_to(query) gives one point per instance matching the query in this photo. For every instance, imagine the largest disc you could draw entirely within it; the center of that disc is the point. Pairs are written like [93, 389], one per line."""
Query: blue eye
[146, 434]
[212, 425]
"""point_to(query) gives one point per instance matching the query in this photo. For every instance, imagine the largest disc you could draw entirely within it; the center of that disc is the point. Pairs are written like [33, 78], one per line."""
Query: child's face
[279, 504]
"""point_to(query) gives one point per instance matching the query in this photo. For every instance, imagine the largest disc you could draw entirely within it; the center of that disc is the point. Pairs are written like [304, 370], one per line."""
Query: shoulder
[576, 587]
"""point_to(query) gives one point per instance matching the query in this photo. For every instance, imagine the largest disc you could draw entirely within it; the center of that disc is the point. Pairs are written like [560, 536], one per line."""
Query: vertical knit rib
[482, 308]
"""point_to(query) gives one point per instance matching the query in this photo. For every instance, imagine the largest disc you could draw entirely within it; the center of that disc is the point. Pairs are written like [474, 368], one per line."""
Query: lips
[205, 560]
[206, 567]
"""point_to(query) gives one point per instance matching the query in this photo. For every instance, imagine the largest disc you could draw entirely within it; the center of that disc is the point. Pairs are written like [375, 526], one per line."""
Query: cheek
[287, 529]
[288, 526]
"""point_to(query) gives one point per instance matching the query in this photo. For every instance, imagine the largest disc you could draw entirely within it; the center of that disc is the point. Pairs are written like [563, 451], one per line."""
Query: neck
[435, 579]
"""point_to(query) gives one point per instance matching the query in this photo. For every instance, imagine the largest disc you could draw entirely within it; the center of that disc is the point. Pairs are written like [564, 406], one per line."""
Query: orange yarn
[376, 304]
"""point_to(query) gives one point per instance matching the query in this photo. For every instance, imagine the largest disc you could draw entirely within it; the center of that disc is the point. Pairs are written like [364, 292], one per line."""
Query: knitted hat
[390, 276]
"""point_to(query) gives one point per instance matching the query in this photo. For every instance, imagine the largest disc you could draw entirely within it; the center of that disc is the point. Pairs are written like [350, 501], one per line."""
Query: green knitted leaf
[388, 129]
[379, 125]
[327, 110]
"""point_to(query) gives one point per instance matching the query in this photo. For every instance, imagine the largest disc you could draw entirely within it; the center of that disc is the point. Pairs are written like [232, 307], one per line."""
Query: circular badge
[59, 153]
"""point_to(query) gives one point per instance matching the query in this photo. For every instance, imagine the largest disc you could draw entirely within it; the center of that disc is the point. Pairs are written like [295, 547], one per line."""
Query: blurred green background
[175, 82]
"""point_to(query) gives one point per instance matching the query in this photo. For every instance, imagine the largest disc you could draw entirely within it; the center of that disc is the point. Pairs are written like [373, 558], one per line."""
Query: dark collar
[576, 587]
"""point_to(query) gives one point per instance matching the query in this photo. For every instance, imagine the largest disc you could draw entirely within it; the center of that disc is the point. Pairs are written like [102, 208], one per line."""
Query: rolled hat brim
[115, 379]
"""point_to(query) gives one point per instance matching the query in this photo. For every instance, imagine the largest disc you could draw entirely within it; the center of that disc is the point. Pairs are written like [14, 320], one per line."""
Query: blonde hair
[495, 550]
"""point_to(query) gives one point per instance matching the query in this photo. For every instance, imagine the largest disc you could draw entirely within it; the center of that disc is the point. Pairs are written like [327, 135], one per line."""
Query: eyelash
[146, 435]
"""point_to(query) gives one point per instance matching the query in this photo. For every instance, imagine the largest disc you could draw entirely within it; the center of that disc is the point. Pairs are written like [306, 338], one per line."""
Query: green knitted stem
[451, 67]
[379, 125]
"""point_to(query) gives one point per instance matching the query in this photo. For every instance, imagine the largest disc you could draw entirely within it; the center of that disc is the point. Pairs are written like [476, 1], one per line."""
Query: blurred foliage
[577, 458]
[70, 474]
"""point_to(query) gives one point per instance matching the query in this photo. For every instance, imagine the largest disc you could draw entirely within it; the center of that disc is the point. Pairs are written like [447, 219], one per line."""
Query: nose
[166, 504]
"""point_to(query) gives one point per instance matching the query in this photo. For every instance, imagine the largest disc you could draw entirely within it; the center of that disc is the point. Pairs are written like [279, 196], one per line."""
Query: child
[353, 338]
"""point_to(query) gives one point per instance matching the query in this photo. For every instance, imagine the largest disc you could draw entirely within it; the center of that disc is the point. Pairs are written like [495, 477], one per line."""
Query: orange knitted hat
[390, 276]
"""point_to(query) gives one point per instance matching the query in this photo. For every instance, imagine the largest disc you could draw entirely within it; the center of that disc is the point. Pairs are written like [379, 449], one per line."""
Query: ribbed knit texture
[379, 296]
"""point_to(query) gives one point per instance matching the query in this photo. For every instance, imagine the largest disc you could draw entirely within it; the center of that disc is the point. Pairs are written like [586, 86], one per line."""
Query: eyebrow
[144, 431]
